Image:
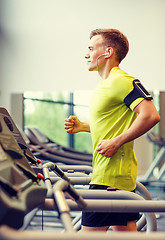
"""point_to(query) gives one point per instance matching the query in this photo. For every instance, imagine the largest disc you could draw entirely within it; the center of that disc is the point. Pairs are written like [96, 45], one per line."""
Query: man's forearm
[85, 127]
[135, 131]
[142, 124]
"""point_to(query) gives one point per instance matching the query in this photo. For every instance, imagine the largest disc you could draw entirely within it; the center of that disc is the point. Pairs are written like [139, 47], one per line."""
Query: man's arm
[74, 125]
[147, 117]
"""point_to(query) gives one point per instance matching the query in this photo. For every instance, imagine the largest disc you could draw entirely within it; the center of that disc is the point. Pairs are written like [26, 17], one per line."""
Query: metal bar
[60, 200]
[74, 180]
[143, 191]
[69, 174]
[48, 183]
[155, 162]
[146, 206]
[161, 173]
[104, 194]
[7, 233]
[71, 136]
[115, 205]
[54, 102]
[28, 218]
[141, 222]
[62, 185]
[95, 194]
[66, 220]
[84, 168]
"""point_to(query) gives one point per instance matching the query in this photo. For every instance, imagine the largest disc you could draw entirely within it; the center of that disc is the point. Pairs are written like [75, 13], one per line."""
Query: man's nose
[87, 56]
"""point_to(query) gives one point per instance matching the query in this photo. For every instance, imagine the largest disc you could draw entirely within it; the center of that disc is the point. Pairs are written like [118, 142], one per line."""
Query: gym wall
[43, 44]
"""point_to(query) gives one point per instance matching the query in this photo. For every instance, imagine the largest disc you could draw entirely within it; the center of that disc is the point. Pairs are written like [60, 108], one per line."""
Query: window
[47, 112]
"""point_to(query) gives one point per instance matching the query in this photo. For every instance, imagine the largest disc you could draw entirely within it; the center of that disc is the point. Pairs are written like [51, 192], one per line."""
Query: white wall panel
[43, 42]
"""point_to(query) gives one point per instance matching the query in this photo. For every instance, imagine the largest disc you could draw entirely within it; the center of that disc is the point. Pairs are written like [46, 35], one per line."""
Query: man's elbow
[155, 119]
[158, 118]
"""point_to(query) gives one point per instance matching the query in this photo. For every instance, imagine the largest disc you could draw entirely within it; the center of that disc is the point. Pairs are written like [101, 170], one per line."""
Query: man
[121, 110]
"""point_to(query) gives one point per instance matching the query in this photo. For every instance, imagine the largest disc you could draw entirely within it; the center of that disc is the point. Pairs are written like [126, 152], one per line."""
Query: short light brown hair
[115, 39]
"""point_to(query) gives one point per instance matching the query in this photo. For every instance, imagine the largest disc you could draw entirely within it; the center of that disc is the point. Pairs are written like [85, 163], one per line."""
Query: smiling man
[121, 110]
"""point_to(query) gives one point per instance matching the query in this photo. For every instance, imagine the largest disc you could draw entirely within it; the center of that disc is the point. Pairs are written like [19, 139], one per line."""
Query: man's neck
[104, 73]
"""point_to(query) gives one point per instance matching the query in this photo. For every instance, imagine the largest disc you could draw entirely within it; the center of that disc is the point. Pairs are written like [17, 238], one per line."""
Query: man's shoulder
[118, 73]
[121, 79]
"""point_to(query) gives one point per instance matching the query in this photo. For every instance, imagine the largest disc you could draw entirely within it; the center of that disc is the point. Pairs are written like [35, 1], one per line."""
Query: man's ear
[109, 52]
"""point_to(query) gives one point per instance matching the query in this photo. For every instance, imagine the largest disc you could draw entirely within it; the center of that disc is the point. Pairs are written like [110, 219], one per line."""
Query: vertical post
[17, 109]
[71, 112]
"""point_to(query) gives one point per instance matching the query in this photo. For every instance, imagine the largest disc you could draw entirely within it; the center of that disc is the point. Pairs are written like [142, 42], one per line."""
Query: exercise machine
[21, 190]
[36, 137]
[149, 177]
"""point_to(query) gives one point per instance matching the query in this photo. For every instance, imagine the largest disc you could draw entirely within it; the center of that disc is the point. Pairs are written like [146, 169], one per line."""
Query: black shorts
[102, 219]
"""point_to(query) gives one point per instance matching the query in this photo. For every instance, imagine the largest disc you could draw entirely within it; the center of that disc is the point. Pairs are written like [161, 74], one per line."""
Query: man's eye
[91, 48]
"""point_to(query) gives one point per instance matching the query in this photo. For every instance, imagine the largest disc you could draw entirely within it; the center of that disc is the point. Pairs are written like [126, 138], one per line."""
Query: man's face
[95, 50]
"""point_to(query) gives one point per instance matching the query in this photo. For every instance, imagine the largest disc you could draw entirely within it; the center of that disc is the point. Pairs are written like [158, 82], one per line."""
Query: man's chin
[92, 69]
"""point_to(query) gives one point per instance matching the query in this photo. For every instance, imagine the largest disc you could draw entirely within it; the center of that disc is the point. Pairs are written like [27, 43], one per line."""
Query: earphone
[104, 54]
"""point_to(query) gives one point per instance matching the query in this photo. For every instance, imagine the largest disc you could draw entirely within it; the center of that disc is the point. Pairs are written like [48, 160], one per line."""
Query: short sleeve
[136, 95]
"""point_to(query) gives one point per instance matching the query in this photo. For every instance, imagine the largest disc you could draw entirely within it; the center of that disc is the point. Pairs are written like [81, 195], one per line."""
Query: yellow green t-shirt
[109, 117]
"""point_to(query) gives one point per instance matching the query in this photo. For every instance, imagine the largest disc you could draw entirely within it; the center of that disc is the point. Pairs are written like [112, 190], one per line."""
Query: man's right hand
[72, 124]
